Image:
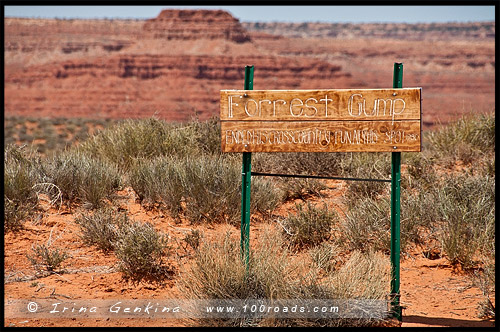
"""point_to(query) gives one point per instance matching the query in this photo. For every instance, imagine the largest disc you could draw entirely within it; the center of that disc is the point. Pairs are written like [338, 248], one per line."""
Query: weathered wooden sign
[340, 120]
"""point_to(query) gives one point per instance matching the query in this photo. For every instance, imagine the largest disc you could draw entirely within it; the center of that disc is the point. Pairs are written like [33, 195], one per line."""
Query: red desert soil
[432, 292]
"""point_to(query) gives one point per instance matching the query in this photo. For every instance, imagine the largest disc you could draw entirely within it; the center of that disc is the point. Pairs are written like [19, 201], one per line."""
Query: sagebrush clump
[82, 179]
[21, 174]
[102, 227]
[44, 256]
[201, 189]
[309, 226]
[142, 252]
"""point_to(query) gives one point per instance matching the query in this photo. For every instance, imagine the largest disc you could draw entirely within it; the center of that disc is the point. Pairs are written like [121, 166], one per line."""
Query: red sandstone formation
[174, 66]
[173, 87]
[196, 24]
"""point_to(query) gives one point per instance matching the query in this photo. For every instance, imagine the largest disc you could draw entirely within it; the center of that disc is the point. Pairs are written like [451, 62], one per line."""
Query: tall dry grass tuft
[219, 273]
[201, 189]
[309, 226]
[22, 171]
[82, 178]
[367, 224]
[466, 205]
[467, 140]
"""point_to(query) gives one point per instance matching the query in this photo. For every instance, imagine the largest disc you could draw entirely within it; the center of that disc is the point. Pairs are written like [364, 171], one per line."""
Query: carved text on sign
[321, 120]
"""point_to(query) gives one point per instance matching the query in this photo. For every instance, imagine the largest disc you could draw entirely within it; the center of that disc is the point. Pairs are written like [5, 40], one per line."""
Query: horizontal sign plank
[314, 105]
[340, 120]
[321, 136]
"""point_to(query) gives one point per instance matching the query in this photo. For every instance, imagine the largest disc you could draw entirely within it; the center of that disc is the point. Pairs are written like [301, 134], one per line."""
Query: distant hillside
[174, 65]
[428, 31]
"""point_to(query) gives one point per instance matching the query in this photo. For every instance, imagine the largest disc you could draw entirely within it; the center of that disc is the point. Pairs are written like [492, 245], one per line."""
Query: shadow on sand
[449, 322]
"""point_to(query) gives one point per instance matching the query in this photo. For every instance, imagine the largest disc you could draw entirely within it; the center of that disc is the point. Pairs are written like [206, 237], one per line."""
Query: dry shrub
[300, 188]
[466, 204]
[466, 140]
[308, 163]
[43, 256]
[326, 256]
[142, 251]
[219, 273]
[366, 165]
[125, 142]
[367, 224]
[309, 226]
[22, 171]
[305, 163]
[101, 228]
[204, 189]
[82, 178]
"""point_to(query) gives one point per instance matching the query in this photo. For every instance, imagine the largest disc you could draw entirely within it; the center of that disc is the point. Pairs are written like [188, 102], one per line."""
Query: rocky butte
[196, 24]
[174, 69]
[173, 66]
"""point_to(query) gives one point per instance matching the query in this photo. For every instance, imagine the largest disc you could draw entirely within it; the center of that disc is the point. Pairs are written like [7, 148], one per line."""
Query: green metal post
[246, 175]
[396, 212]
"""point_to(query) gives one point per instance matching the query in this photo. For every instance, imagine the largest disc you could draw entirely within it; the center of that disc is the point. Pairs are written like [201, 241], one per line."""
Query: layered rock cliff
[175, 64]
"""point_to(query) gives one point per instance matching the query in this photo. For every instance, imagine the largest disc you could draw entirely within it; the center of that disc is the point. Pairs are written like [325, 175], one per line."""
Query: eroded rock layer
[174, 65]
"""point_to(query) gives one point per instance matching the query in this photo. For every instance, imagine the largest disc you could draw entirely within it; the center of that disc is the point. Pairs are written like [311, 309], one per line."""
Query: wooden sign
[340, 120]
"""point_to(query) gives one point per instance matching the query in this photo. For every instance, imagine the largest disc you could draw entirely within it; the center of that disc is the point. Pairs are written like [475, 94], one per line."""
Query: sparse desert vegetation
[309, 245]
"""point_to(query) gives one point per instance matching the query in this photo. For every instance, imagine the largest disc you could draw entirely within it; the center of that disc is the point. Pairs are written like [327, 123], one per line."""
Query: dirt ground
[433, 293]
